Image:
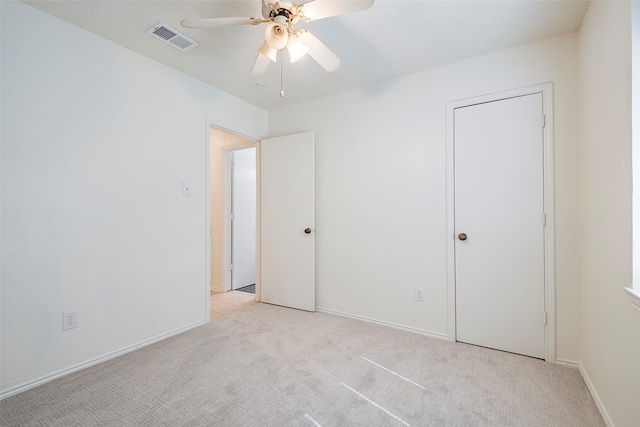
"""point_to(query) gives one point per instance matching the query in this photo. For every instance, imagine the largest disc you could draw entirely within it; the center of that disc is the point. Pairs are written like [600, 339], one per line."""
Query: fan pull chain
[281, 66]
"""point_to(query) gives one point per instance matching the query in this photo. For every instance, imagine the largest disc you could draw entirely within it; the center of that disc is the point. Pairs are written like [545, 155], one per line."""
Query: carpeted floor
[272, 366]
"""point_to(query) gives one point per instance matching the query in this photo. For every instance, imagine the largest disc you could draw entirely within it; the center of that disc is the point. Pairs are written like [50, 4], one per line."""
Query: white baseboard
[596, 398]
[430, 334]
[50, 377]
[570, 363]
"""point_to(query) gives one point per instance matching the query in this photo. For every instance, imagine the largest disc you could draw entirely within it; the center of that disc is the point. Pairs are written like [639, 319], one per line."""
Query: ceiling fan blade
[266, 9]
[318, 51]
[261, 64]
[320, 9]
[215, 22]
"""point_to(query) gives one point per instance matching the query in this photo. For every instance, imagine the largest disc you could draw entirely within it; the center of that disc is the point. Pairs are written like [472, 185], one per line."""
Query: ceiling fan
[281, 18]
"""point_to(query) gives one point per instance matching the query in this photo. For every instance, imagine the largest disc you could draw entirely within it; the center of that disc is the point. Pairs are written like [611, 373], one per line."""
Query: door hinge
[543, 121]
[232, 216]
[545, 318]
[544, 219]
[230, 267]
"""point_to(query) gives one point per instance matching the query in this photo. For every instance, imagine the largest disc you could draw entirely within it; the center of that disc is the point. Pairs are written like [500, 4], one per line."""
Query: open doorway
[233, 171]
[240, 195]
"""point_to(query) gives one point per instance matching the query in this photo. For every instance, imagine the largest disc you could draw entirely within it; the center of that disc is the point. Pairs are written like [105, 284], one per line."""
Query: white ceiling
[393, 38]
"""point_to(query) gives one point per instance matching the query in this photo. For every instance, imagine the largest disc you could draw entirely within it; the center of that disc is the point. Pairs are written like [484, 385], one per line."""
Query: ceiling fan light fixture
[281, 18]
[296, 49]
[276, 35]
[269, 52]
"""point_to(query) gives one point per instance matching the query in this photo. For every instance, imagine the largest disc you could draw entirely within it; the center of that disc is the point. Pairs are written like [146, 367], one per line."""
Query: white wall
[381, 185]
[96, 141]
[610, 327]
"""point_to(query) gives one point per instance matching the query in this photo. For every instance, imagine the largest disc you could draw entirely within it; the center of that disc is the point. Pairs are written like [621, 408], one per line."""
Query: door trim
[211, 123]
[546, 89]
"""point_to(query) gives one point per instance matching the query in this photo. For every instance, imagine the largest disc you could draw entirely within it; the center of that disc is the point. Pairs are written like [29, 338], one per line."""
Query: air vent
[171, 36]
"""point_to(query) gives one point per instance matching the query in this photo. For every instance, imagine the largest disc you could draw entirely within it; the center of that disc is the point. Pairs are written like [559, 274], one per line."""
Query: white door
[499, 250]
[287, 188]
[243, 202]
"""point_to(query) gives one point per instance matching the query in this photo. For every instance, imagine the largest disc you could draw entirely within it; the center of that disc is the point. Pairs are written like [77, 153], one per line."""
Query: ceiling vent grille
[174, 38]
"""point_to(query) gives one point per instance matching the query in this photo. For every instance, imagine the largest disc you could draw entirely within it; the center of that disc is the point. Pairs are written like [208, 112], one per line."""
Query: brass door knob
[307, 230]
[462, 236]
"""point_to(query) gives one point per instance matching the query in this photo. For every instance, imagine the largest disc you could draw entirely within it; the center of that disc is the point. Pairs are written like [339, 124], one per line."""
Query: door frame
[228, 194]
[254, 142]
[546, 89]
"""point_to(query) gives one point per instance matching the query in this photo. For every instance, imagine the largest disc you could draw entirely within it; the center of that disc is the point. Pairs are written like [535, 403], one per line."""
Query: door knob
[462, 236]
[307, 230]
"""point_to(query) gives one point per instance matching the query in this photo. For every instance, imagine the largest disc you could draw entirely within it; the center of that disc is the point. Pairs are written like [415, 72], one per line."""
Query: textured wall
[610, 327]
[381, 185]
[96, 141]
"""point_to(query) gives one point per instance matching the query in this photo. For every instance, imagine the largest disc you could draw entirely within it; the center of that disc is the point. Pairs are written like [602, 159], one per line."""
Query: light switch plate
[186, 189]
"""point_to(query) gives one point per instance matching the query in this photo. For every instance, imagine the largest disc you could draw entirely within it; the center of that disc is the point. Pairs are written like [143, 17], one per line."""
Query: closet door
[499, 225]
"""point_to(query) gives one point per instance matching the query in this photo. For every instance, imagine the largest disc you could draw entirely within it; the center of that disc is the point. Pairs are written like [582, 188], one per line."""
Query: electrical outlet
[69, 320]
[418, 294]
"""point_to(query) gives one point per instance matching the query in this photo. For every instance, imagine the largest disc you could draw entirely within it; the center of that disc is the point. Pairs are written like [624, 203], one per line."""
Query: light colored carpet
[272, 366]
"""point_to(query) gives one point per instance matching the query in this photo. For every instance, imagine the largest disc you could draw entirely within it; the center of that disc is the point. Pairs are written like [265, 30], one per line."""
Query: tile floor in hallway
[223, 303]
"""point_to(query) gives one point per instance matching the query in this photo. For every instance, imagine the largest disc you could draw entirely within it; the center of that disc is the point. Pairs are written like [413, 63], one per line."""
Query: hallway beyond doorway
[223, 303]
[249, 289]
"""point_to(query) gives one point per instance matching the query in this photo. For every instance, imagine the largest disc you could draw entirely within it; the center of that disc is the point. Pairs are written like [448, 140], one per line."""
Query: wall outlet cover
[69, 320]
